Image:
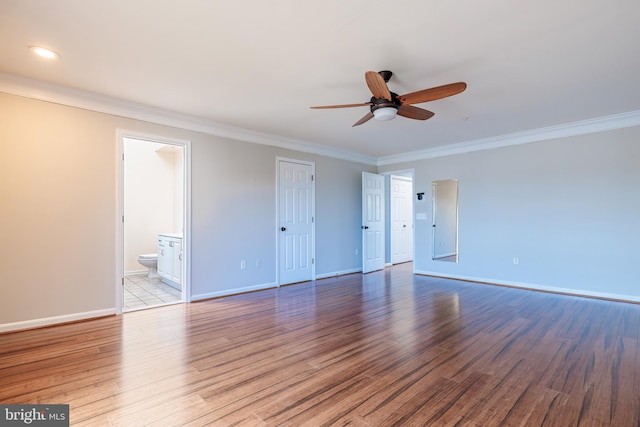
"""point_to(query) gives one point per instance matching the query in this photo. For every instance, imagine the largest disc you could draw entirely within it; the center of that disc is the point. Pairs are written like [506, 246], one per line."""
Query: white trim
[440, 256]
[533, 286]
[313, 213]
[186, 223]
[388, 227]
[600, 124]
[121, 134]
[119, 195]
[338, 273]
[37, 89]
[408, 174]
[136, 272]
[229, 292]
[399, 177]
[48, 321]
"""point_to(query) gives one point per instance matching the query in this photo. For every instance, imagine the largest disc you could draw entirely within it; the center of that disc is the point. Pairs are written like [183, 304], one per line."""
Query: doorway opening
[400, 224]
[387, 219]
[153, 232]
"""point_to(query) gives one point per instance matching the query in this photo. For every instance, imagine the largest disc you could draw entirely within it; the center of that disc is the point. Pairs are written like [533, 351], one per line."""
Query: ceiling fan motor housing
[377, 103]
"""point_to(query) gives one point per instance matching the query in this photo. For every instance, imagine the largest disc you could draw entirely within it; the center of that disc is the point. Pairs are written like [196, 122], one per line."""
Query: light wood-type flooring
[382, 349]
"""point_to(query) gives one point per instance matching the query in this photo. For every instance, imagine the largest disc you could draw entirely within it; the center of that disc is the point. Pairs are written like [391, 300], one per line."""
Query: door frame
[393, 240]
[313, 214]
[409, 173]
[121, 134]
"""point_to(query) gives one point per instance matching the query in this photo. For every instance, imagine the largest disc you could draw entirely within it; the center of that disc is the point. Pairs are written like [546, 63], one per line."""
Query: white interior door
[372, 222]
[401, 219]
[295, 218]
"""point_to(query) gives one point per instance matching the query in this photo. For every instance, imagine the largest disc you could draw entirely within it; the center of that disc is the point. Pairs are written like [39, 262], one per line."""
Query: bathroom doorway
[153, 198]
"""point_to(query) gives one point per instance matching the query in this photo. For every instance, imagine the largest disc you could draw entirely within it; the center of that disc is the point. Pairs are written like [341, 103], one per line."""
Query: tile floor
[142, 292]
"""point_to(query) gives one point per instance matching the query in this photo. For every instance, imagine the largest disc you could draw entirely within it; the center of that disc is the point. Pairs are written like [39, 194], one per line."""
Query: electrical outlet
[243, 265]
[515, 260]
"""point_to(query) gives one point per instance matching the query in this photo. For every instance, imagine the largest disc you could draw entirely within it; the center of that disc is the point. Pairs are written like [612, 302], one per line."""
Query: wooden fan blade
[364, 104]
[365, 119]
[412, 112]
[432, 94]
[377, 85]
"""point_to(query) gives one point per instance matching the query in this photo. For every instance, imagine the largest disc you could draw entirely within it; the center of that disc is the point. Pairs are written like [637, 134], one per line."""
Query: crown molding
[43, 91]
[37, 89]
[616, 121]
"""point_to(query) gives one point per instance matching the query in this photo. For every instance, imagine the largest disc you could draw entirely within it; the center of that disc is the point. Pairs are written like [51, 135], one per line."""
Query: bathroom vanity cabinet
[170, 259]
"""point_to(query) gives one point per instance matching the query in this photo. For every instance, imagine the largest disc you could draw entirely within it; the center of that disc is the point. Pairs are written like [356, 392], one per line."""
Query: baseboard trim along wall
[337, 273]
[536, 287]
[50, 321]
[228, 292]
[445, 255]
[136, 272]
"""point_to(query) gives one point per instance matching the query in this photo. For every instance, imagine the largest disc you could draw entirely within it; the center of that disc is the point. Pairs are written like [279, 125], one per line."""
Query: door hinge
[123, 281]
[313, 219]
[313, 260]
[311, 177]
[122, 156]
[123, 219]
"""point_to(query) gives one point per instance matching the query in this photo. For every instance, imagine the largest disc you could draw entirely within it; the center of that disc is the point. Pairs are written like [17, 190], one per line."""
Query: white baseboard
[49, 321]
[228, 292]
[174, 285]
[535, 287]
[338, 273]
[235, 291]
[439, 256]
[136, 272]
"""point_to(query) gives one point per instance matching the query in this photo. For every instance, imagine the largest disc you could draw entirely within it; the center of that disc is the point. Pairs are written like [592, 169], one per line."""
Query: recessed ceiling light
[44, 52]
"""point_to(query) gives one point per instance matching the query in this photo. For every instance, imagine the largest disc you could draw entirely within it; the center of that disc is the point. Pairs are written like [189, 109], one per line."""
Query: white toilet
[151, 262]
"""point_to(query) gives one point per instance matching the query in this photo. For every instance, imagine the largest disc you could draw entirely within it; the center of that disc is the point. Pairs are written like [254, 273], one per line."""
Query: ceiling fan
[384, 104]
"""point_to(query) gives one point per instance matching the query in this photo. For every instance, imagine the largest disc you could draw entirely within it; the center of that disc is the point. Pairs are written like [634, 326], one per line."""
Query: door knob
[404, 225]
[283, 228]
[365, 227]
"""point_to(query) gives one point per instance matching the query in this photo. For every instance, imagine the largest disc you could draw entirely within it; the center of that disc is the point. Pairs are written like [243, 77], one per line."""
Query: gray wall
[58, 187]
[569, 209]
[234, 214]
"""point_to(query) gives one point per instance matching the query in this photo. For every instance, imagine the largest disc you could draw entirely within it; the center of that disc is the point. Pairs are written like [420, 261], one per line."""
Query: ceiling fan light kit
[385, 113]
[385, 105]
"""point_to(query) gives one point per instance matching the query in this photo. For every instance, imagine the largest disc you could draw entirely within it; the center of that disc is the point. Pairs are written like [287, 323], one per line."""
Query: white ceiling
[260, 65]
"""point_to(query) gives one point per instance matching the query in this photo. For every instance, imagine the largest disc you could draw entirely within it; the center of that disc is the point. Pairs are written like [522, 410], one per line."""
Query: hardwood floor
[382, 349]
